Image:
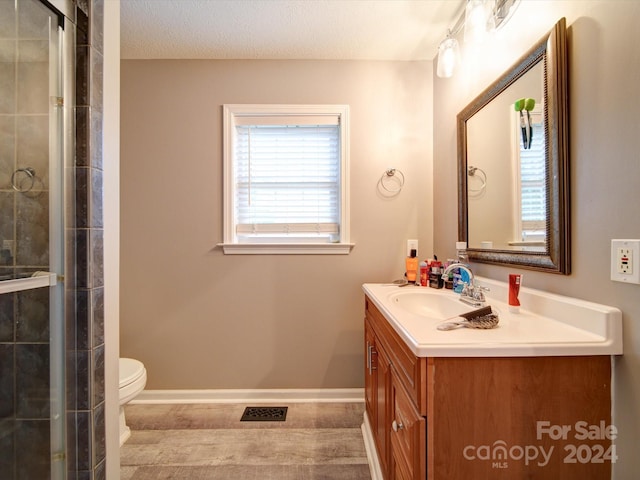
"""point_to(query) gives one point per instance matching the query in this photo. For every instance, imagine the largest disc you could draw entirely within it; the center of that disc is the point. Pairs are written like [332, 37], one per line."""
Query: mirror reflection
[506, 184]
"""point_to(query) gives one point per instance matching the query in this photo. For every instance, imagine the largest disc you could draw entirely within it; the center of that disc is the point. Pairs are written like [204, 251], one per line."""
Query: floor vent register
[264, 414]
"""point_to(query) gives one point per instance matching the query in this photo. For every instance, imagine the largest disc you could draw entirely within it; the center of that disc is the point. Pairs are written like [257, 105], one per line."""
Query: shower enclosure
[35, 69]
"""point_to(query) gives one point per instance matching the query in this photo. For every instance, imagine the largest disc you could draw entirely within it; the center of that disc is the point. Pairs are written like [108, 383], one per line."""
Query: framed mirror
[513, 163]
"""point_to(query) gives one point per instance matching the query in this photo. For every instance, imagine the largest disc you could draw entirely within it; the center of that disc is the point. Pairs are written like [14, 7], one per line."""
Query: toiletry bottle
[424, 274]
[435, 276]
[515, 280]
[463, 257]
[449, 279]
[411, 264]
[461, 249]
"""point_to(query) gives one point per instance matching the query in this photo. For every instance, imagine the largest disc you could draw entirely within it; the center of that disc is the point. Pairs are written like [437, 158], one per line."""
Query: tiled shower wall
[85, 322]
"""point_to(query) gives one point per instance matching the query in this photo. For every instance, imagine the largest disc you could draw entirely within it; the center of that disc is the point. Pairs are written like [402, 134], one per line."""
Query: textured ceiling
[286, 29]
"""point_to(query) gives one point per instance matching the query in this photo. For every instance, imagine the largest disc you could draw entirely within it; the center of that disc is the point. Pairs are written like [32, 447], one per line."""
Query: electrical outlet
[625, 261]
[412, 245]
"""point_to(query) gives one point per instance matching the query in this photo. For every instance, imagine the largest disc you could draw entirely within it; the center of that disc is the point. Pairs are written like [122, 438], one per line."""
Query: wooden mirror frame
[552, 51]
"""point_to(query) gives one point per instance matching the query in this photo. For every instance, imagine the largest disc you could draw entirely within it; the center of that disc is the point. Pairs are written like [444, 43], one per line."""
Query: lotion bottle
[411, 264]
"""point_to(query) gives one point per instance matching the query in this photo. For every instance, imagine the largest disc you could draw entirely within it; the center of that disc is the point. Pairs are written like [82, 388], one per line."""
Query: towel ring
[391, 173]
[29, 178]
[472, 171]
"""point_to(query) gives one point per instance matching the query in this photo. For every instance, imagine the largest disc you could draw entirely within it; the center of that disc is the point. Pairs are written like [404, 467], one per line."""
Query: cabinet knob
[396, 426]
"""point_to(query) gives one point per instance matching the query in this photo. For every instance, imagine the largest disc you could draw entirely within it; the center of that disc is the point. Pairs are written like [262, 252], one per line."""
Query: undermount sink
[429, 303]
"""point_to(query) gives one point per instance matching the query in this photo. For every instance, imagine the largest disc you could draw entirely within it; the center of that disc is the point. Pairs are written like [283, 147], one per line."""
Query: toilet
[133, 378]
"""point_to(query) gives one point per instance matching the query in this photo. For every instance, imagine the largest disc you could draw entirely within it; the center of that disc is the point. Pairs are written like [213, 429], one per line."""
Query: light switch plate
[625, 261]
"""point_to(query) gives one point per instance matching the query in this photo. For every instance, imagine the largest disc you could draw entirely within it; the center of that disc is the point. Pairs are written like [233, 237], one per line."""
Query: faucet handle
[479, 291]
[479, 295]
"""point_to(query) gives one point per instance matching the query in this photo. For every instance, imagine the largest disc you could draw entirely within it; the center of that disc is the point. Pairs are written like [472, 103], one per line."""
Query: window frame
[230, 244]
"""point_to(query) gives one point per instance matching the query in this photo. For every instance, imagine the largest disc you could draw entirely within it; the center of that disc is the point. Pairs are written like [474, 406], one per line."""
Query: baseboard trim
[243, 396]
[370, 448]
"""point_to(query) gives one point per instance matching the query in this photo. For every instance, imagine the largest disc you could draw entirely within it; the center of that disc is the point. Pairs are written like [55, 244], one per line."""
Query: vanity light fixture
[479, 18]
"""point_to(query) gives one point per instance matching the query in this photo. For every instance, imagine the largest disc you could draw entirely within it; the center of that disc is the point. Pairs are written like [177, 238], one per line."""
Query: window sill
[286, 248]
[527, 243]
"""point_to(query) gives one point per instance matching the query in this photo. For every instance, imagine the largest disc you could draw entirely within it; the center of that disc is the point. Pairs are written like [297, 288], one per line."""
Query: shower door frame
[61, 203]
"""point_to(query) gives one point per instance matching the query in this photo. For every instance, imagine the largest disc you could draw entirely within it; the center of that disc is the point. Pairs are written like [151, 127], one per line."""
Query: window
[532, 193]
[286, 179]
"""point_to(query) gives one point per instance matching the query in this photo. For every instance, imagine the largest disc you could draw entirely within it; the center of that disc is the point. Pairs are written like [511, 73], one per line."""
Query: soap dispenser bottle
[411, 264]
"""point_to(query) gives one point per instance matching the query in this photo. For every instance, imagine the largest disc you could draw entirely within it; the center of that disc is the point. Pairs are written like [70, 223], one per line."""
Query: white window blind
[286, 179]
[533, 184]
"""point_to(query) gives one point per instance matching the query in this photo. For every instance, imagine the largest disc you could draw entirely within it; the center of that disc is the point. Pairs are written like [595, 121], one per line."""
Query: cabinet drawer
[408, 435]
[411, 370]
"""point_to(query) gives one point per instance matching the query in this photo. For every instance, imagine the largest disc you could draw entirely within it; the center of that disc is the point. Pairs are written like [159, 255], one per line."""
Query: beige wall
[604, 72]
[201, 320]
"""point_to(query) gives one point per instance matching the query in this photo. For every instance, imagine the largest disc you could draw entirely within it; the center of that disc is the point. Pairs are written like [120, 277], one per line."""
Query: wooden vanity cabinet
[430, 417]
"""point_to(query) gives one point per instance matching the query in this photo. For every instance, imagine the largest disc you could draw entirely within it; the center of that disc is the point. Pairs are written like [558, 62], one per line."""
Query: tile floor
[319, 441]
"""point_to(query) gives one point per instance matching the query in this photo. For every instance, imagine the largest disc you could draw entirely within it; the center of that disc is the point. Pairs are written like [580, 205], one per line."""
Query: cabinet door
[408, 435]
[377, 385]
[382, 393]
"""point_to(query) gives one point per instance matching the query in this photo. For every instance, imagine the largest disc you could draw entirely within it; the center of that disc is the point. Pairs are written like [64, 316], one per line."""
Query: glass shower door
[32, 407]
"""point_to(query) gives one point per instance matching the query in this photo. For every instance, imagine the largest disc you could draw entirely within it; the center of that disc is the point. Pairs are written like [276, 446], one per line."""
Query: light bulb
[447, 57]
[478, 20]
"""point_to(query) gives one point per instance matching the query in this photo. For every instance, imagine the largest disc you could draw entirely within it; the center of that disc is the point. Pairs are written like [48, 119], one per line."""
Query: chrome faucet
[472, 293]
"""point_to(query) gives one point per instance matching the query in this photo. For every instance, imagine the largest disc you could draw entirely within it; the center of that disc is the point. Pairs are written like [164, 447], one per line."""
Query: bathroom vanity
[528, 399]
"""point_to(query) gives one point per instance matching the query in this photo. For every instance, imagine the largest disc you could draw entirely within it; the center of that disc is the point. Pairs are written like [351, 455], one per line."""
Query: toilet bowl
[133, 378]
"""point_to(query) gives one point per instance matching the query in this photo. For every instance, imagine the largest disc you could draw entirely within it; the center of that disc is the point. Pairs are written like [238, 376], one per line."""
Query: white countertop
[547, 325]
